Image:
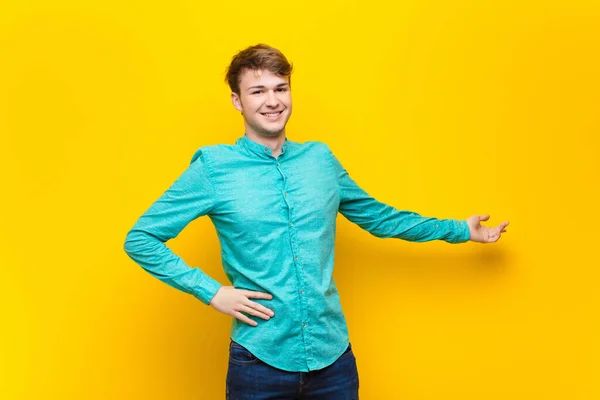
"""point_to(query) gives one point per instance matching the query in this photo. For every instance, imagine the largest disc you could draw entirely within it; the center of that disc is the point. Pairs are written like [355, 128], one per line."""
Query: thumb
[484, 217]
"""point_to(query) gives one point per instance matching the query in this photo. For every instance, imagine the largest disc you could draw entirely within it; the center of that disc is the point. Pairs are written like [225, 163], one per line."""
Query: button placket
[298, 265]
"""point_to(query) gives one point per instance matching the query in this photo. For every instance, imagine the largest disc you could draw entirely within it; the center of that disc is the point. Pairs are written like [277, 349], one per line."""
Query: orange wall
[448, 109]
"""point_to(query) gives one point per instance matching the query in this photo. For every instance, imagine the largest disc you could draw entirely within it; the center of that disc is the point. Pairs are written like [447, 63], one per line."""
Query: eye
[282, 89]
[255, 92]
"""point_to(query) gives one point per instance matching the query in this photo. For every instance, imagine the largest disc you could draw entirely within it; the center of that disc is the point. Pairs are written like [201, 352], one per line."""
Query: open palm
[484, 234]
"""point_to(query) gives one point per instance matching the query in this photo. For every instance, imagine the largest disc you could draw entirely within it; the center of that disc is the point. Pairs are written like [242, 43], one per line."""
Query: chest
[302, 191]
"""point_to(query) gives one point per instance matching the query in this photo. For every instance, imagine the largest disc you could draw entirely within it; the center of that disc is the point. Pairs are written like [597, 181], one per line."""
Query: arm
[385, 221]
[189, 197]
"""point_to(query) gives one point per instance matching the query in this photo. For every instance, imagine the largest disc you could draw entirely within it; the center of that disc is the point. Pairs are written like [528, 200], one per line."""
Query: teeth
[272, 115]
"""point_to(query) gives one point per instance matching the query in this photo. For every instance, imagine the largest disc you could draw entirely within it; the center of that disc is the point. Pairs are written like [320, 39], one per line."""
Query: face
[265, 101]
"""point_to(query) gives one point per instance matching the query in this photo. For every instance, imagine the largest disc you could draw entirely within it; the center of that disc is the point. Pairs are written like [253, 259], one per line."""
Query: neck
[273, 142]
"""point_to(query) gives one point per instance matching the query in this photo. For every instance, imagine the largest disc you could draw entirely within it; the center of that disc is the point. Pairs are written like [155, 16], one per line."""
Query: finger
[245, 319]
[257, 295]
[252, 311]
[259, 307]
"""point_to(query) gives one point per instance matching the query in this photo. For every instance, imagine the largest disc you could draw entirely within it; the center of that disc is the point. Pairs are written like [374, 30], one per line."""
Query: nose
[271, 99]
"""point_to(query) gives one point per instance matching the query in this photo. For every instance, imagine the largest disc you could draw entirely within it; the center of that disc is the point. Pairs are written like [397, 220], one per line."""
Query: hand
[232, 301]
[483, 234]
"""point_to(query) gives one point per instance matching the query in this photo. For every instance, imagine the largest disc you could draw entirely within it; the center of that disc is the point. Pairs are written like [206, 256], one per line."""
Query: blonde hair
[257, 57]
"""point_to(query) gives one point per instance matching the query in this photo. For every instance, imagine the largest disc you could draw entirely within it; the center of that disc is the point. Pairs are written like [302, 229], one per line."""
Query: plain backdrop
[448, 109]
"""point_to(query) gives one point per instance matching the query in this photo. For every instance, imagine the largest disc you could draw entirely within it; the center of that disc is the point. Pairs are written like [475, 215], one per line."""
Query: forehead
[260, 77]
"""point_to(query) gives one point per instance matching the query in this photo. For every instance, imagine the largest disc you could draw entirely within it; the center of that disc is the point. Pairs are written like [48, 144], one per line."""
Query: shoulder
[315, 146]
[322, 149]
[208, 152]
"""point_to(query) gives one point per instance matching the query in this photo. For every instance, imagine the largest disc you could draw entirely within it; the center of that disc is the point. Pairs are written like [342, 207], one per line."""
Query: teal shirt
[276, 222]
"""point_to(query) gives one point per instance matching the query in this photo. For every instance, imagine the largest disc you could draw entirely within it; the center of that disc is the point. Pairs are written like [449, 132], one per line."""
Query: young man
[274, 204]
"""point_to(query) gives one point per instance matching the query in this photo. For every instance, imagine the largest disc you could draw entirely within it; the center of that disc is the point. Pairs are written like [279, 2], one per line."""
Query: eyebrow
[263, 86]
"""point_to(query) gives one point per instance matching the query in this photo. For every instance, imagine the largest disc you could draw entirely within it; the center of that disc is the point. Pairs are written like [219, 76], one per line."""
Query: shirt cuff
[207, 289]
[457, 231]
[462, 232]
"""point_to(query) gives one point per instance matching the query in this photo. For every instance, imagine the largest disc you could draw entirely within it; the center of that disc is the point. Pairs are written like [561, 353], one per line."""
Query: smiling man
[274, 202]
[267, 102]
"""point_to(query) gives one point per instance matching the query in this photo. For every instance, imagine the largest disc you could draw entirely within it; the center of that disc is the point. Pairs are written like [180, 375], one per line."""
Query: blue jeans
[249, 378]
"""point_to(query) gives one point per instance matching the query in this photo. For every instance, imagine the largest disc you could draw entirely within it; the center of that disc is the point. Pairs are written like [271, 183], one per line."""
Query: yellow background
[446, 108]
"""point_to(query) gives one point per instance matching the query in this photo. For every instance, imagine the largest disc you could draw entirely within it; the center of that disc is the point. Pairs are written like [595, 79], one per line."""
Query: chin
[271, 133]
[270, 130]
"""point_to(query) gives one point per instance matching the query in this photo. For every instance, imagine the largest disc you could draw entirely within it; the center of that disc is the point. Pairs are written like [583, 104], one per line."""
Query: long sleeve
[188, 198]
[384, 221]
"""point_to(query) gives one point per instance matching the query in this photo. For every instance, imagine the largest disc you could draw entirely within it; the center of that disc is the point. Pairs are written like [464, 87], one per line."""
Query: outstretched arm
[385, 221]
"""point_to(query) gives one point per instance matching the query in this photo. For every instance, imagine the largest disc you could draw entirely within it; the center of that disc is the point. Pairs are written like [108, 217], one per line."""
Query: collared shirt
[275, 218]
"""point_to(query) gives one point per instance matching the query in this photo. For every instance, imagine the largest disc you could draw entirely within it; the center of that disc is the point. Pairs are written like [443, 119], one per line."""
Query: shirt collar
[258, 148]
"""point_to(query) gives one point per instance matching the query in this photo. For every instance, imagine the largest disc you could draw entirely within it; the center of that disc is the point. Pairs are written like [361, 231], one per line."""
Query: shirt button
[266, 150]
[436, 225]
[285, 193]
[296, 257]
[304, 325]
[301, 291]
[278, 164]
[291, 224]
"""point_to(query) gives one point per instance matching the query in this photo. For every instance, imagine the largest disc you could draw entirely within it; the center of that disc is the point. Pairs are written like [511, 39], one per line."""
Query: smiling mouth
[272, 115]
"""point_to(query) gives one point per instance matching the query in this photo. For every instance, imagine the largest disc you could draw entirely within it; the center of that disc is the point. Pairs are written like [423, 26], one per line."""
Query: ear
[235, 100]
